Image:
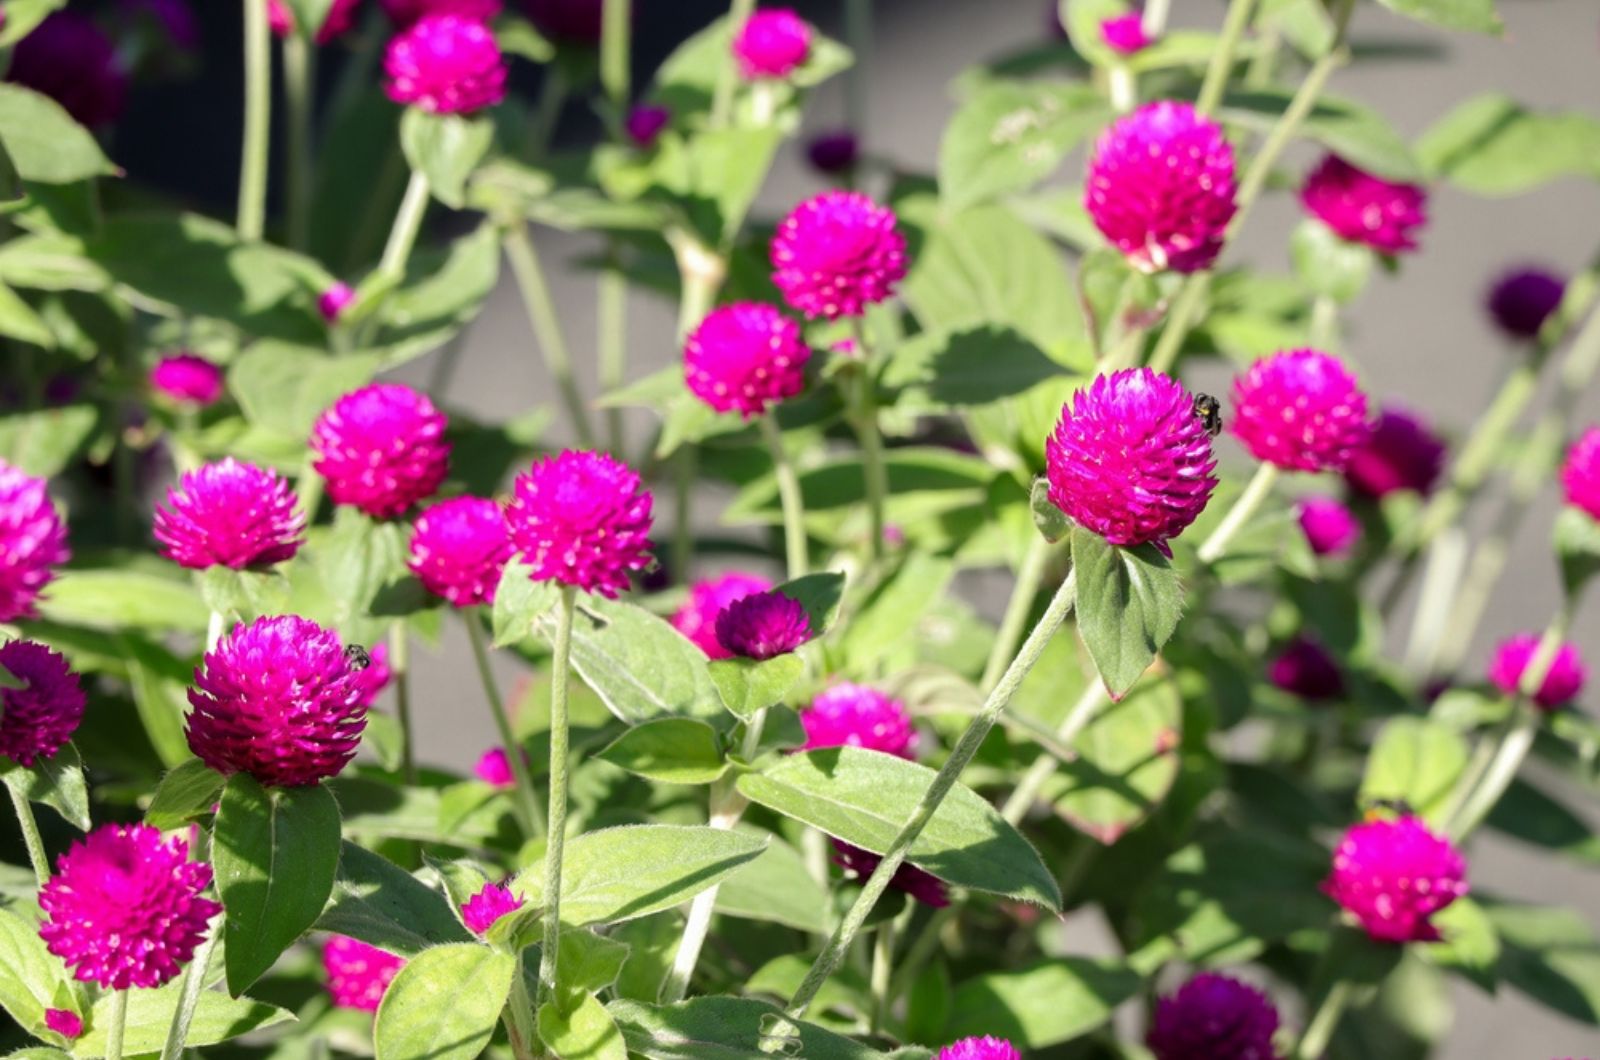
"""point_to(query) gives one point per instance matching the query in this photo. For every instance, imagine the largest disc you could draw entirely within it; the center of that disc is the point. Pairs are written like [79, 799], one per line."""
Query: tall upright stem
[794, 514]
[194, 984]
[1314, 1042]
[1243, 509]
[119, 1025]
[527, 802]
[1026, 588]
[557, 837]
[1181, 318]
[1233, 27]
[616, 26]
[399, 667]
[728, 75]
[542, 316]
[299, 90]
[1078, 718]
[30, 835]
[257, 121]
[873, 469]
[407, 224]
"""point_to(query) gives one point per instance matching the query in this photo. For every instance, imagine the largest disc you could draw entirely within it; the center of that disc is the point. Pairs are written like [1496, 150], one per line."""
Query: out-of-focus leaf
[775, 887]
[444, 1004]
[1492, 145]
[286, 387]
[1577, 538]
[1126, 762]
[1479, 16]
[1328, 265]
[381, 904]
[1009, 135]
[1053, 1001]
[217, 1018]
[1416, 761]
[445, 148]
[1354, 132]
[44, 442]
[724, 1028]
[44, 143]
[938, 371]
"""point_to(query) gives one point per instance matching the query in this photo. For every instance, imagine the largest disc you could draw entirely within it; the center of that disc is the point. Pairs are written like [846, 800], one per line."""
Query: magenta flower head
[1305, 669]
[33, 541]
[573, 21]
[229, 514]
[581, 519]
[852, 715]
[1130, 460]
[494, 768]
[332, 303]
[1401, 453]
[1213, 1017]
[1160, 187]
[445, 64]
[920, 885]
[381, 449]
[491, 903]
[763, 625]
[187, 379]
[68, 58]
[459, 548]
[358, 974]
[1329, 526]
[37, 719]
[697, 618]
[1362, 208]
[644, 124]
[1300, 410]
[745, 357]
[278, 699]
[1124, 34]
[834, 152]
[405, 13]
[1563, 682]
[1522, 300]
[64, 1022]
[984, 1048]
[1580, 480]
[837, 253]
[771, 43]
[124, 907]
[1392, 874]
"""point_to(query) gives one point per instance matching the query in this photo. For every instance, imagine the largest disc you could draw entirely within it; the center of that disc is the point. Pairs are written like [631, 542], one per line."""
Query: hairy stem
[1216, 81]
[30, 835]
[611, 302]
[119, 1025]
[299, 91]
[1243, 509]
[794, 513]
[1029, 575]
[1314, 1043]
[1078, 718]
[194, 984]
[257, 121]
[616, 26]
[527, 803]
[403, 233]
[529, 275]
[557, 816]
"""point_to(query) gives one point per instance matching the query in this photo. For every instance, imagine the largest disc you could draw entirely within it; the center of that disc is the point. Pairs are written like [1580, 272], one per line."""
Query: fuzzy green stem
[407, 224]
[882, 970]
[30, 835]
[399, 668]
[1029, 575]
[546, 324]
[299, 90]
[685, 462]
[1216, 81]
[526, 801]
[560, 733]
[728, 75]
[1243, 509]
[552, 98]
[1314, 1043]
[611, 303]
[194, 984]
[616, 24]
[119, 1025]
[1181, 317]
[257, 121]
[794, 513]
[874, 471]
[845, 934]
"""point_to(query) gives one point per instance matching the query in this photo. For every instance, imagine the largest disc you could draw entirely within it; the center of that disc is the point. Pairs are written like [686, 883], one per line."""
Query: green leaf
[357, 559]
[589, 963]
[820, 594]
[123, 594]
[159, 681]
[519, 602]
[1492, 145]
[1417, 761]
[1129, 603]
[29, 976]
[57, 782]
[638, 665]
[1529, 813]
[381, 904]
[776, 887]
[1053, 1001]
[23, 15]
[19, 321]
[1549, 954]
[217, 1018]
[584, 1033]
[445, 148]
[1125, 763]
[1009, 135]
[1327, 264]
[275, 852]
[1577, 540]
[517, 36]
[669, 750]
[749, 685]
[1051, 522]
[1353, 131]
[44, 442]
[43, 141]
[1469, 944]
[725, 1028]
[938, 371]
[286, 387]
[865, 798]
[444, 1004]
[244, 594]
[876, 638]
[189, 790]
[622, 873]
[1478, 16]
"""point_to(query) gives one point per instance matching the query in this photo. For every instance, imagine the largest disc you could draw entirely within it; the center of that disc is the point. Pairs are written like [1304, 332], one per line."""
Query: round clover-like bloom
[837, 253]
[445, 64]
[64, 1022]
[644, 124]
[358, 974]
[1214, 1017]
[581, 519]
[1304, 668]
[763, 625]
[381, 449]
[336, 23]
[1522, 300]
[574, 21]
[1130, 460]
[1401, 453]
[852, 715]
[187, 379]
[1125, 34]
[771, 43]
[1362, 208]
[332, 303]
[124, 907]
[1161, 188]
[1330, 527]
[490, 904]
[697, 618]
[1300, 410]
[745, 358]
[37, 719]
[405, 13]
[834, 152]
[920, 885]
[70, 59]
[985, 1048]
[1563, 682]
[494, 768]
[278, 699]
[229, 514]
[459, 548]
[33, 541]
[1580, 480]
[1392, 874]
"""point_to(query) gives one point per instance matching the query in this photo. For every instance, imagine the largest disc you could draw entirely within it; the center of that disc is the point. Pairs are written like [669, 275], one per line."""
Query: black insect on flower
[357, 656]
[1209, 409]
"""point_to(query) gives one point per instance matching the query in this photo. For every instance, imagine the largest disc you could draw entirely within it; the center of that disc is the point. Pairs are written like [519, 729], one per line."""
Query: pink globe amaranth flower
[340, 17]
[188, 379]
[644, 124]
[68, 58]
[1124, 34]
[1522, 300]
[573, 21]
[1329, 526]
[581, 519]
[33, 541]
[494, 768]
[834, 152]
[837, 253]
[984, 1048]
[1580, 479]
[64, 1022]
[332, 303]
[1161, 189]
[358, 974]
[1305, 669]
[445, 64]
[771, 43]
[1213, 1017]
[922, 886]
[1393, 874]
[230, 514]
[1130, 460]
[124, 907]
[278, 699]
[1362, 208]
[1300, 410]
[37, 719]
[697, 618]
[745, 358]
[459, 548]
[491, 903]
[1401, 453]
[381, 449]
[1563, 682]
[763, 626]
[405, 13]
[852, 715]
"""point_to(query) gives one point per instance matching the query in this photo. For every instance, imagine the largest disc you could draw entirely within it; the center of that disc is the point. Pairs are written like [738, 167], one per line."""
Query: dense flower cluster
[771, 43]
[1300, 410]
[358, 974]
[763, 625]
[582, 519]
[1580, 477]
[1563, 681]
[834, 152]
[1362, 208]
[851, 715]
[492, 902]
[1521, 301]
[381, 449]
[230, 514]
[745, 358]
[985, 1048]
[37, 719]
[405, 13]
[837, 253]
[1330, 526]
[1305, 668]
[645, 122]
[445, 64]
[919, 884]
[697, 618]
[459, 548]
[1401, 453]
[187, 378]
[1392, 875]
[1124, 34]
[1214, 1017]
[33, 542]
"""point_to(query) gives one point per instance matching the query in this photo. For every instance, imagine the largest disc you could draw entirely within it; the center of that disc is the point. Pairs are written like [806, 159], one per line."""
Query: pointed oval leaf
[217, 1018]
[519, 602]
[1054, 1001]
[1125, 763]
[57, 782]
[670, 750]
[189, 790]
[584, 1033]
[444, 1004]
[1129, 603]
[381, 904]
[749, 685]
[725, 1028]
[29, 975]
[638, 665]
[1416, 761]
[44, 142]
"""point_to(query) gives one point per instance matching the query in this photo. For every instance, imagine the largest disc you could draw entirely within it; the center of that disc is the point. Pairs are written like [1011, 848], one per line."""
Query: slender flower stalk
[1216, 80]
[257, 121]
[194, 984]
[556, 837]
[1314, 1042]
[403, 234]
[794, 527]
[119, 1021]
[882, 970]
[300, 93]
[1255, 492]
[526, 802]
[1006, 638]
[536, 299]
[30, 835]
[399, 660]
[616, 26]
[739, 12]
[1154, 22]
